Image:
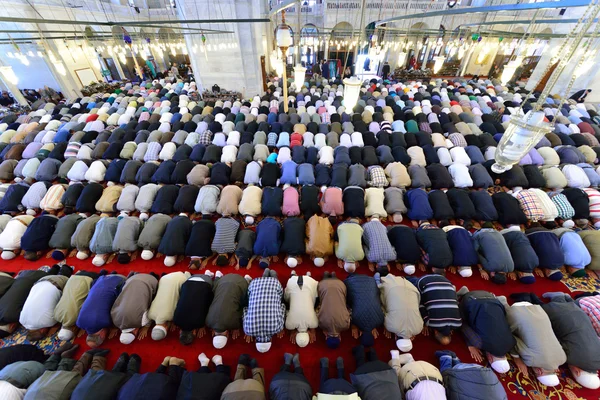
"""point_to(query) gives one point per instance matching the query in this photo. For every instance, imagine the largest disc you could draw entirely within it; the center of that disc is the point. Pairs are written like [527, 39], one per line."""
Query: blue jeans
[447, 362]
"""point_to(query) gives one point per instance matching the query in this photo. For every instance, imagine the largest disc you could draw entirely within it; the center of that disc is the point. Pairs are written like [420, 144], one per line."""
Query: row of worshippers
[262, 308]
[546, 246]
[469, 110]
[27, 374]
[411, 149]
[270, 175]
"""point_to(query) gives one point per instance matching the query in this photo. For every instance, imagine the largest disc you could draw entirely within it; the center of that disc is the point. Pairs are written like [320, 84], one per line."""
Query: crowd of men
[403, 178]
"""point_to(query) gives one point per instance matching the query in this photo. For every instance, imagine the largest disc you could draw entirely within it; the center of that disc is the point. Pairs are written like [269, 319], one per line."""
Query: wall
[34, 76]
[482, 69]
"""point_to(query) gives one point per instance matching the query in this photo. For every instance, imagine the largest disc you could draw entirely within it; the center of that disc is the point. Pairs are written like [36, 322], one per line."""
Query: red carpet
[152, 352]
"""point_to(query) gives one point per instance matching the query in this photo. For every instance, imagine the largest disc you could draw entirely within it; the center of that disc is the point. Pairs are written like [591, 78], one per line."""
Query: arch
[518, 29]
[309, 30]
[342, 30]
[309, 35]
[547, 31]
[168, 34]
[419, 25]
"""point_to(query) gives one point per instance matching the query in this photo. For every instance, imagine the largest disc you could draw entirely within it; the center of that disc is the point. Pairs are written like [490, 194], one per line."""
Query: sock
[296, 360]
[287, 358]
[217, 360]
[203, 360]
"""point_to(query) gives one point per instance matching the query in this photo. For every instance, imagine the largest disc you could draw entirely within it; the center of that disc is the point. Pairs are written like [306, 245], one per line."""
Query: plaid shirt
[265, 315]
[272, 139]
[471, 337]
[530, 205]
[152, 151]
[458, 140]
[206, 138]
[377, 177]
[591, 306]
[565, 209]
[377, 245]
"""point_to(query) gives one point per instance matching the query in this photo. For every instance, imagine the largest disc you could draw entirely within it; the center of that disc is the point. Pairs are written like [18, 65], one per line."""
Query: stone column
[7, 84]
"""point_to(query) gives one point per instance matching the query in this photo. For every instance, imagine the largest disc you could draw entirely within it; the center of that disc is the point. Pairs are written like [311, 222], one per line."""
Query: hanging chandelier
[525, 130]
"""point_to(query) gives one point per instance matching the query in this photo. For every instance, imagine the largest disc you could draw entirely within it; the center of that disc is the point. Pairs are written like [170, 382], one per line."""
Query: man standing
[578, 96]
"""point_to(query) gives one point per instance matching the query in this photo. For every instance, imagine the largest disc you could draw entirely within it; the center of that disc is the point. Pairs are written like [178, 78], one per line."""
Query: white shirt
[326, 155]
[219, 139]
[320, 140]
[233, 138]
[576, 176]
[308, 139]
[460, 175]
[346, 140]
[95, 172]
[302, 315]
[357, 139]
[459, 155]
[77, 171]
[168, 151]
[444, 156]
[38, 310]
[284, 154]
[229, 154]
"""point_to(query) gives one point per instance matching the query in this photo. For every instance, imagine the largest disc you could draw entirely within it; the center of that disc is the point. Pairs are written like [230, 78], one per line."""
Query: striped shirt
[594, 197]
[52, 198]
[439, 306]
[226, 232]
[591, 306]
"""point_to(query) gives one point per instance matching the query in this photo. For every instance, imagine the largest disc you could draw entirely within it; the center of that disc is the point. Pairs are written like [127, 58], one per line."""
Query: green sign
[105, 72]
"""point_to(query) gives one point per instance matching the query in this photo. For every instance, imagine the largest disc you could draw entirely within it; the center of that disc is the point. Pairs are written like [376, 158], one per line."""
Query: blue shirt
[268, 238]
[95, 311]
[288, 173]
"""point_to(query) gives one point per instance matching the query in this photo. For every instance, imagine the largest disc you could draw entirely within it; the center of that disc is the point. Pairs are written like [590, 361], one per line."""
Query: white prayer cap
[249, 220]
[349, 267]
[549, 380]
[319, 262]
[98, 260]
[159, 332]
[127, 337]
[170, 261]
[404, 345]
[588, 380]
[501, 366]
[302, 339]
[65, 334]
[219, 341]
[147, 254]
[292, 262]
[465, 271]
[82, 255]
[263, 347]
[409, 269]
